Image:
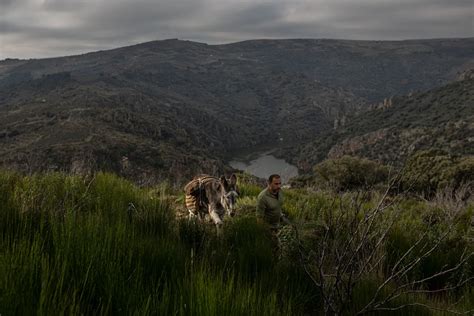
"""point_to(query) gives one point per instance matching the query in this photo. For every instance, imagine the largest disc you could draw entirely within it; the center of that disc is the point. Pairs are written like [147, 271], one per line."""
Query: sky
[50, 28]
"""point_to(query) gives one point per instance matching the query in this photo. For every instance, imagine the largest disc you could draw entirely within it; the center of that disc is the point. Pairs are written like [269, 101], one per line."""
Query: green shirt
[269, 207]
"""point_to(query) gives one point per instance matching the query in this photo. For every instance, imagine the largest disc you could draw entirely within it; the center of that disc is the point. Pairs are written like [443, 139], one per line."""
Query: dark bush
[431, 170]
[349, 173]
[426, 171]
[463, 172]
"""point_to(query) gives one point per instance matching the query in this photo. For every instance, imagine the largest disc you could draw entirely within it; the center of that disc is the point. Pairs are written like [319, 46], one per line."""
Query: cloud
[41, 28]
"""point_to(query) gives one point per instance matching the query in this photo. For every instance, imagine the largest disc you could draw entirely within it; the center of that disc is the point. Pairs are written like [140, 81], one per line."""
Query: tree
[349, 173]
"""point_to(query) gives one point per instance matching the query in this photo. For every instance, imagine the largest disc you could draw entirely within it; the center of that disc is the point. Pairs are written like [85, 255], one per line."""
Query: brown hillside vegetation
[178, 107]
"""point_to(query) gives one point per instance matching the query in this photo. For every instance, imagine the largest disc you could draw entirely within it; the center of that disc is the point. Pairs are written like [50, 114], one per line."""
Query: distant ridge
[178, 107]
[441, 118]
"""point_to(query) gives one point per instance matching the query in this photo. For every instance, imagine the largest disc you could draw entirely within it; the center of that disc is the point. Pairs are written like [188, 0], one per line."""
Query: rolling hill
[177, 107]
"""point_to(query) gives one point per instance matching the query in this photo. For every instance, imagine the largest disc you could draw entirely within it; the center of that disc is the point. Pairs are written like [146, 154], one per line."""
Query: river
[265, 165]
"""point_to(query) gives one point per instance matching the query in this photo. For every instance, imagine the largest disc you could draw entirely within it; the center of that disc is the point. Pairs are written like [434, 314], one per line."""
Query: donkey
[210, 195]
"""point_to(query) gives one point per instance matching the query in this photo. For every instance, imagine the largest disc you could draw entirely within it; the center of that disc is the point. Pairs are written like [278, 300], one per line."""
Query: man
[269, 203]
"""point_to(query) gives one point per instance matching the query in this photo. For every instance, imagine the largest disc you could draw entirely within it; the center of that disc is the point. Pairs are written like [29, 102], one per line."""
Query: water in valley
[265, 165]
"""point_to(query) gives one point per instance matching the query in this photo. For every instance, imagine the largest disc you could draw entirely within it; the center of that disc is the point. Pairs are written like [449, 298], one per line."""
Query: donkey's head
[229, 193]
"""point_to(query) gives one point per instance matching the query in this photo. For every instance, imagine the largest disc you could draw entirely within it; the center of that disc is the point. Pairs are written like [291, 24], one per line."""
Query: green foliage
[348, 173]
[463, 172]
[70, 245]
[445, 255]
[432, 170]
[248, 185]
[426, 171]
[250, 246]
[303, 205]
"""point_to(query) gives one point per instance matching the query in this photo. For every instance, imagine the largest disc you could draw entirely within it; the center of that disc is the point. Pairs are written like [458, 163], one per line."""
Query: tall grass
[101, 245]
[71, 245]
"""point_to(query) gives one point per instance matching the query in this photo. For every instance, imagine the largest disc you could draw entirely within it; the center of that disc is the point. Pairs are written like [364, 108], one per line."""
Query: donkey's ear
[233, 180]
[224, 182]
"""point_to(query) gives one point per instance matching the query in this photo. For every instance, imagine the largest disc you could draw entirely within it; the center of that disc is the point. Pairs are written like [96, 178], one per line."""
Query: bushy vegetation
[101, 245]
[425, 173]
[432, 170]
[349, 173]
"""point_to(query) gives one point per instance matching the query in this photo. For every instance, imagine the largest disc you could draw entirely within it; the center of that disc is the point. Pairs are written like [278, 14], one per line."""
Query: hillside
[179, 107]
[73, 245]
[441, 118]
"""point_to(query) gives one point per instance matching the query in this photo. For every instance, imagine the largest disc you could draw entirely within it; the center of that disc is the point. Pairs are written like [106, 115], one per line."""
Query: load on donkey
[206, 194]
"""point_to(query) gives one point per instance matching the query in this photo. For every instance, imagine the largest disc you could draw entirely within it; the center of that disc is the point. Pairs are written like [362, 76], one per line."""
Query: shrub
[428, 171]
[463, 172]
[349, 173]
[425, 171]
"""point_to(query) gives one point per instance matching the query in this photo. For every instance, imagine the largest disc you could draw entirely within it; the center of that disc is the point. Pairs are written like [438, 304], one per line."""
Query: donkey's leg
[193, 207]
[191, 215]
[216, 218]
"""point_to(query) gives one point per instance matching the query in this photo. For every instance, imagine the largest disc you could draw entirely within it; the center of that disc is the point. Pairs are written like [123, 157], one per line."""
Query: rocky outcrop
[351, 146]
[442, 118]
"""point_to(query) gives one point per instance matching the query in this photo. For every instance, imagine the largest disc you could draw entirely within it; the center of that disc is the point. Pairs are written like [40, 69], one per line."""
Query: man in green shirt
[269, 203]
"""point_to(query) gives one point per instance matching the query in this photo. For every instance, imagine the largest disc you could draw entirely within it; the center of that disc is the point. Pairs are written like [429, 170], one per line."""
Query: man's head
[274, 183]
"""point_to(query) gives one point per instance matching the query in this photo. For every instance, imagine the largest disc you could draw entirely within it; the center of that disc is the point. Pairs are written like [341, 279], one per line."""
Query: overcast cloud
[45, 28]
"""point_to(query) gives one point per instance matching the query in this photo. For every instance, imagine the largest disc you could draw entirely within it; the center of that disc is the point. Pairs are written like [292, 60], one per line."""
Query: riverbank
[264, 165]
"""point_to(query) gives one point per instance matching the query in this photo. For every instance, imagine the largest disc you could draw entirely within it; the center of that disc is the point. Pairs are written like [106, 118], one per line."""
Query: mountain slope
[178, 107]
[442, 118]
